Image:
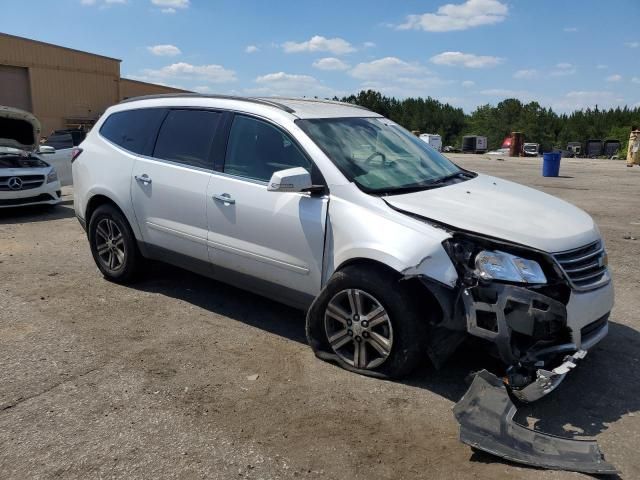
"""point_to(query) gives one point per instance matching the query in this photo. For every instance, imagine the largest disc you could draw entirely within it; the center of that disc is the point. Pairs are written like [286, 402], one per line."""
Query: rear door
[169, 188]
[61, 159]
[275, 237]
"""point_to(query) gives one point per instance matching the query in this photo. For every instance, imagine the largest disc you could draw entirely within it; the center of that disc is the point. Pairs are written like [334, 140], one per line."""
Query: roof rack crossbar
[260, 101]
[322, 100]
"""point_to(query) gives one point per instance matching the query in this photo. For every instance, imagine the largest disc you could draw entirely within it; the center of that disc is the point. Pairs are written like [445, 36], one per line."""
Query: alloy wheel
[358, 329]
[110, 244]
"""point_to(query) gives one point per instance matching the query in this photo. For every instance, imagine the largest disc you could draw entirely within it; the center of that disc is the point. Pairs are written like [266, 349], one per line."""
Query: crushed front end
[538, 312]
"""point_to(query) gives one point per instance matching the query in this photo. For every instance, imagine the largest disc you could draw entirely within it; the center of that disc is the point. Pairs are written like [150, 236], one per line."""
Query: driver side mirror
[46, 149]
[290, 180]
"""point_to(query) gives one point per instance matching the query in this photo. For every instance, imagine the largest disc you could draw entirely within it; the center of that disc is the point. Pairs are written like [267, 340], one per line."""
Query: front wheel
[113, 245]
[367, 322]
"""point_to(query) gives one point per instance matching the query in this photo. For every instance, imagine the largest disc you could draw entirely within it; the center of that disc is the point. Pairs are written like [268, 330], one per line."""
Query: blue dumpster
[551, 164]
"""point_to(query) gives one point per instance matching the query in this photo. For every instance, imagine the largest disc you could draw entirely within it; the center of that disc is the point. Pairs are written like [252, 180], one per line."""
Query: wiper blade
[446, 178]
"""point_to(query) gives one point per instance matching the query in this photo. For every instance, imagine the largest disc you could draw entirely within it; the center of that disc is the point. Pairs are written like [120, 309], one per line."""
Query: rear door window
[134, 130]
[187, 137]
[256, 149]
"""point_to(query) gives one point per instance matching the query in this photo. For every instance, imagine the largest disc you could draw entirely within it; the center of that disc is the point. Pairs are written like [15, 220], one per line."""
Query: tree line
[539, 124]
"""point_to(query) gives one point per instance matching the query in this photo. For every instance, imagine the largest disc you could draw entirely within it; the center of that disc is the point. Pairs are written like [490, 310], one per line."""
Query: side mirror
[46, 149]
[290, 180]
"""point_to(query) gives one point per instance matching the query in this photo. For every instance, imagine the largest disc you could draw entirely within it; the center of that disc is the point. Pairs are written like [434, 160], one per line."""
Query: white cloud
[635, 80]
[388, 67]
[330, 63]
[563, 69]
[186, 71]
[171, 4]
[614, 78]
[632, 44]
[286, 84]
[202, 89]
[472, 13]
[164, 50]
[252, 49]
[526, 74]
[337, 46]
[168, 10]
[468, 84]
[393, 76]
[577, 100]
[601, 67]
[368, 44]
[102, 3]
[468, 60]
[571, 29]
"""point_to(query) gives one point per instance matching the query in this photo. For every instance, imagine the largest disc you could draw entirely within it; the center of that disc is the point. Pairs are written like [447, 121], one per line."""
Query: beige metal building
[63, 87]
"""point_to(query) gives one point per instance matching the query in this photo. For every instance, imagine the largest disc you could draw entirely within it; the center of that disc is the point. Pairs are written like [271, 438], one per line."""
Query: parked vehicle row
[394, 252]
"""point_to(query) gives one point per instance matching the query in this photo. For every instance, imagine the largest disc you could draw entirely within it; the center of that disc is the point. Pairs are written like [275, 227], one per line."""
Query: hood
[19, 129]
[497, 208]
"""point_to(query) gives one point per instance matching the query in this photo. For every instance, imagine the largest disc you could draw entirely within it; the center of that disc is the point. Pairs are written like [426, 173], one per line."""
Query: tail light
[75, 153]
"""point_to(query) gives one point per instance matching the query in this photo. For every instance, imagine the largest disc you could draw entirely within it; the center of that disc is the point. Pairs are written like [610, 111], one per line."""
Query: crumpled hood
[19, 129]
[505, 210]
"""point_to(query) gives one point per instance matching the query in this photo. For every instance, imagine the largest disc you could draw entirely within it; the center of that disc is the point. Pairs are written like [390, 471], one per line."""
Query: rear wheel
[367, 322]
[113, 245]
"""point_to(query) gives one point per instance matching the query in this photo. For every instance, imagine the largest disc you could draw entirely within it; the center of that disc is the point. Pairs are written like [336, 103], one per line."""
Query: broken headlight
[497, 265]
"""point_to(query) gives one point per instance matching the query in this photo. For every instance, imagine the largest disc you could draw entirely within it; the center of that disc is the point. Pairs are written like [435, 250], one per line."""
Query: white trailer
[432, 139]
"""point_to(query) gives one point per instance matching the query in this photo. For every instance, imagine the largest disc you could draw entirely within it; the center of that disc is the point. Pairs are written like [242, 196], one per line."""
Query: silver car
[395, 252]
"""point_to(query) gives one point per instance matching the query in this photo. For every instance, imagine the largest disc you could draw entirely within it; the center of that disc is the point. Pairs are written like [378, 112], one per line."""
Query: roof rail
[260, 101]
[321, 100]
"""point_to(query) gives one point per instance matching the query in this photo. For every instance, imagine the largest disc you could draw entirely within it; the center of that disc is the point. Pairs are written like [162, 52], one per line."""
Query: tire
[113, 245]
[401, 324]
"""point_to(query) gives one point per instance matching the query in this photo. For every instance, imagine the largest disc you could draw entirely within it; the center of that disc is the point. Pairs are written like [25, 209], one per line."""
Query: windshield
[379, 155]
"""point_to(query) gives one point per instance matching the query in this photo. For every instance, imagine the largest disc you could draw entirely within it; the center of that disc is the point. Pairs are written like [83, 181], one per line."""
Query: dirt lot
[158, 380]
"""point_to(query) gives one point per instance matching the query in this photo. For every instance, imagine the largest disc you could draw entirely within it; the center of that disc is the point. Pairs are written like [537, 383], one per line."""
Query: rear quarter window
[134, 130]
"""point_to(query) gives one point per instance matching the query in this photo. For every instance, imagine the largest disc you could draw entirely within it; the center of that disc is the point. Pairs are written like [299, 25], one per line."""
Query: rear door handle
[143, 179]
[224, 197]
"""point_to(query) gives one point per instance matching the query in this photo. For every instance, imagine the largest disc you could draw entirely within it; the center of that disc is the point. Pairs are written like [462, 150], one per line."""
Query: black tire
[408, 324]
[128, 257]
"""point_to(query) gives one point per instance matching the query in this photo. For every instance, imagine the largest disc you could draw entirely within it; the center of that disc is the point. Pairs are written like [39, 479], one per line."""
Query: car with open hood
[395, 252]
[25, 177]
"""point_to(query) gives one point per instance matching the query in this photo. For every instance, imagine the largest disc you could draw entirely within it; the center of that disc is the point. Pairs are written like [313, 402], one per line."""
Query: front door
[277, 237]
[169, 189]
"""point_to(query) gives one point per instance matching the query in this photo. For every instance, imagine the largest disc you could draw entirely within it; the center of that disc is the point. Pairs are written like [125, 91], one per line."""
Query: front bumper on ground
[485, 414]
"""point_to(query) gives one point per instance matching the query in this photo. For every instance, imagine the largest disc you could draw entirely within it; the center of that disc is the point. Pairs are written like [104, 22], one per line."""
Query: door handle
[143, 179]
[224, 197]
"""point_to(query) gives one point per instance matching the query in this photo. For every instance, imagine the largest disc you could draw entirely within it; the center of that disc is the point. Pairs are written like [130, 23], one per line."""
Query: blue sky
[566, 54]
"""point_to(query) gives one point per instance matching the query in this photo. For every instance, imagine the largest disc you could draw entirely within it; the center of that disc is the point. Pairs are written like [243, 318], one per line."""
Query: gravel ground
[158, 380]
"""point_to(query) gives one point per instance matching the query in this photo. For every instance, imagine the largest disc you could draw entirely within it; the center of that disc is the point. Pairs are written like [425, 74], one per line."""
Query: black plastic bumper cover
[485, 414]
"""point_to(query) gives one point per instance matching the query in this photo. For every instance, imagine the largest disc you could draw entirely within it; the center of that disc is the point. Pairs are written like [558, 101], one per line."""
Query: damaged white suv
[394, 251]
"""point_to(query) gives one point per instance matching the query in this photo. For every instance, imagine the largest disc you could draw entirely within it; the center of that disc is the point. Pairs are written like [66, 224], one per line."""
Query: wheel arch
[100, 198]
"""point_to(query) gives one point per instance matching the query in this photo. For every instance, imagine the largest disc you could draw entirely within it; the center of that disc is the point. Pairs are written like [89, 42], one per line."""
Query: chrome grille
[28, 182]
[585, 267]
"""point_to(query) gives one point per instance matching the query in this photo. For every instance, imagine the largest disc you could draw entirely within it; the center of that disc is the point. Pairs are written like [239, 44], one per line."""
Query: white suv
[394, 251]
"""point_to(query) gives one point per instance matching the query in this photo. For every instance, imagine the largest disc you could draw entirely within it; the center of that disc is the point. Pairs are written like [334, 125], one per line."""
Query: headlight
[503, 266]
[52, 177]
